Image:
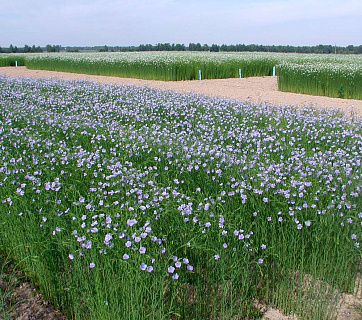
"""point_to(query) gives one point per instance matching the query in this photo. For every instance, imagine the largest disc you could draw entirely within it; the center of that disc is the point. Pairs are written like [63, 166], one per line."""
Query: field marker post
[200, 75]
[274, 71]
[16, 64]
[239, 73]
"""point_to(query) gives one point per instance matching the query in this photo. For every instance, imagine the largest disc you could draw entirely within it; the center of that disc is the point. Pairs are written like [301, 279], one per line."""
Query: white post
[16, 64]
[200, 75]
[274, 71]
[239, 73]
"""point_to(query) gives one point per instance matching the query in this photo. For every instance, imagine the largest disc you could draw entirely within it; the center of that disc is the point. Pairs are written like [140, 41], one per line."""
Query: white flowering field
[134, 203]
[332, 79]
[7, 60]
[161, 65]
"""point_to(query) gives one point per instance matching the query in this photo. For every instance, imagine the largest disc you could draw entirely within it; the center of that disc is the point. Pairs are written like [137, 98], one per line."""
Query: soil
[255, 90]
[30, 305]
[19, 300]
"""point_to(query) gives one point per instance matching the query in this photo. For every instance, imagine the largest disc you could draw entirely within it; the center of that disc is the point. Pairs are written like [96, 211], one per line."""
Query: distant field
[327, 75]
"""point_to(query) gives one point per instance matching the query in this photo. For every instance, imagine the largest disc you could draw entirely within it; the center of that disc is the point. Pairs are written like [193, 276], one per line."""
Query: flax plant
[124, 202]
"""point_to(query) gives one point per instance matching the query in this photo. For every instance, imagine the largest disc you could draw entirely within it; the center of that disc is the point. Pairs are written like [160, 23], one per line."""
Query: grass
[359, 310]
[134, 203]
[157, 65]
[323, 79]
[9, 281]
[8, 60]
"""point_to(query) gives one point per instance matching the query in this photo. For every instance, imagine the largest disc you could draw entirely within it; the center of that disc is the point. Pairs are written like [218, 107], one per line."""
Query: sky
[134, 22]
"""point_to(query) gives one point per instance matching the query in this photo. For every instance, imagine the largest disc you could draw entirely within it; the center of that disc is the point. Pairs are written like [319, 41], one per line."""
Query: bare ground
[255, 89]
[19, 300]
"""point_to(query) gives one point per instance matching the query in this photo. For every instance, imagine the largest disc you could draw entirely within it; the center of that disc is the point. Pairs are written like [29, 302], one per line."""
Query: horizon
[173, 43]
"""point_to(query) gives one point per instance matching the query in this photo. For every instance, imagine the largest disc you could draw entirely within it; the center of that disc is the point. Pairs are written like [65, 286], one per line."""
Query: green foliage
[332, 79]
[53, 48]
[157, 65]
[9, 280]
[263, 201]
[7, 60]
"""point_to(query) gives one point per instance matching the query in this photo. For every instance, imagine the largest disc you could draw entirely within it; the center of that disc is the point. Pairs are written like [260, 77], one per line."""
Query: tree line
[30, 49]
[25, 49]
[322, 49]
[326, 49]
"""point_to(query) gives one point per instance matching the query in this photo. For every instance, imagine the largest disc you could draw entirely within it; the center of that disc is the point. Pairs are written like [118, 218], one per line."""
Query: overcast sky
[134, 22]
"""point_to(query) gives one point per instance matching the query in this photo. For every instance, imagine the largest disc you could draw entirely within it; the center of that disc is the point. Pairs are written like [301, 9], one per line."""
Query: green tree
[205, 47]
[26, 49]
[198, 47]
[180, 47]
[225, 48]
[214, 48]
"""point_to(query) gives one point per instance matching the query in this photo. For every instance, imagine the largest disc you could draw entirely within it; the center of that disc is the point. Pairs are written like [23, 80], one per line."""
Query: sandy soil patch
[254, 89]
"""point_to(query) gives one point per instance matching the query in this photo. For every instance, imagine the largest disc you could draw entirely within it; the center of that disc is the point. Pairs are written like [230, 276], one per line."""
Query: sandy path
[255, 89]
